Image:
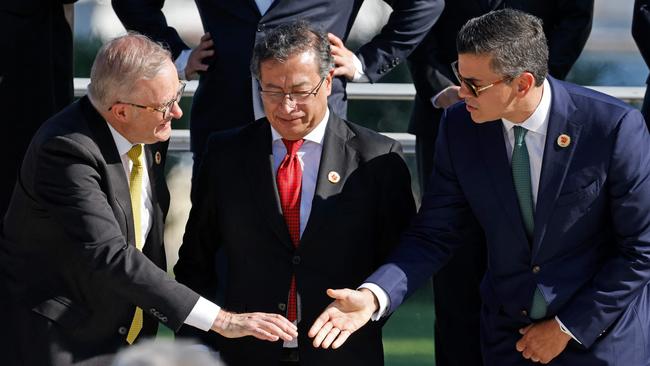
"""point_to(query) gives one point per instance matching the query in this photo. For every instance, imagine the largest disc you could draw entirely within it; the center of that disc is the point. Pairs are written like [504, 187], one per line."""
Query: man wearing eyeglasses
[299, 202]
[556, 177]
[82, 246]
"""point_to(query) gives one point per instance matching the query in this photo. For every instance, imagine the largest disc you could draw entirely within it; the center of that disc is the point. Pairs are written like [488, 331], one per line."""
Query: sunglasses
[476, 90]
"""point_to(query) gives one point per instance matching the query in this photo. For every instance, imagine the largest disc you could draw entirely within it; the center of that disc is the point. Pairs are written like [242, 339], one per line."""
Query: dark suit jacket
[352, 226]
[35, 76]
[641, 28]
[69, 233]
[567, 24]
[223, 99]
[590, 255]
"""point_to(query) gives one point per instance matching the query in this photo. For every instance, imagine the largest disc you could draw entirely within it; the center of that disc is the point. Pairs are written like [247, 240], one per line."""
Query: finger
[206, 36]
[525, 329]
[322, 319]
[527, 353]
[521, 345]
[343, 336]
[270, 328]
[205, 53]
[534, 359]
[331, 336]
[206, 44]
[340, 294]
[289, 329]
[324, 331]
[262, 334]
[336, 41]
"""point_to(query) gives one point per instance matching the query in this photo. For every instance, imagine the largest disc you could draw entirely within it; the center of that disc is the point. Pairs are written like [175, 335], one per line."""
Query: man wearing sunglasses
[82, 247]
[297, 202]
[556, 177]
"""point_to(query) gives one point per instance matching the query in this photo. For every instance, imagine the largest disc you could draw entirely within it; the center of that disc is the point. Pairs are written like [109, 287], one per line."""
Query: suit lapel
[262, 180]
[491, 140]
[556, 159]
[337, 156]
[114, 167]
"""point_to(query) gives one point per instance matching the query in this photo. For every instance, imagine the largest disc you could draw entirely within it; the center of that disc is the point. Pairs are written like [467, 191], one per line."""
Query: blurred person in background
[165, 353]
[641, 34]
[227, 96]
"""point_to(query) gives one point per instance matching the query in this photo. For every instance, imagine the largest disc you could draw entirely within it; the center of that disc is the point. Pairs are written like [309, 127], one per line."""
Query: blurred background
[610, 58]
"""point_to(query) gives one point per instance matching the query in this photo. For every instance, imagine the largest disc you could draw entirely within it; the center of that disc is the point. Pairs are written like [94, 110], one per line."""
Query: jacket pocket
[61, 311]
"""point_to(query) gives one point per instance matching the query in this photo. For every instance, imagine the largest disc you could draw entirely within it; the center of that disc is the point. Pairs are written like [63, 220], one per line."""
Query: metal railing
[180, 140]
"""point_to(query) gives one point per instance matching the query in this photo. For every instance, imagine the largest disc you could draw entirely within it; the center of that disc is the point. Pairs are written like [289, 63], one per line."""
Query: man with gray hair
[556, 177]
[82, 245]
[297, 202]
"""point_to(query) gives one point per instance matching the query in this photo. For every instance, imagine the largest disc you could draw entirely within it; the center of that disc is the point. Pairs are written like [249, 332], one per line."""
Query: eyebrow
[302, 84]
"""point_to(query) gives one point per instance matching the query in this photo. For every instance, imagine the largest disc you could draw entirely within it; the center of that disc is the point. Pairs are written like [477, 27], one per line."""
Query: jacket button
[282, 306]
[536, 269]
[524, 313]
[295, 259]
[122, 330]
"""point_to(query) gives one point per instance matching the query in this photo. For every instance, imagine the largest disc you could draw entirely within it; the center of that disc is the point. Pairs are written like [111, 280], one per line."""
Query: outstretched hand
[350, 311]
[267, 327]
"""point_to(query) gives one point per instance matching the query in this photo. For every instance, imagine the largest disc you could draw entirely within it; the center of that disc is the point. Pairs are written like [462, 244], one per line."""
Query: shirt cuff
[181, 63]
[434, 99]
[359, 75]
[382, 299]
[203, 314]
[565, 330]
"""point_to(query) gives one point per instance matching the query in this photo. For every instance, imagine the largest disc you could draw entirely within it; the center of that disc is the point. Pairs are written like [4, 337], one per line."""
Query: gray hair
[120, 63]
[165, 353]
[514, 39]
[290, 39]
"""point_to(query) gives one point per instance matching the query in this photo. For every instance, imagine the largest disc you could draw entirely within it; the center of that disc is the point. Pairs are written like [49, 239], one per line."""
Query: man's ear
[328, 81]
[525, 82]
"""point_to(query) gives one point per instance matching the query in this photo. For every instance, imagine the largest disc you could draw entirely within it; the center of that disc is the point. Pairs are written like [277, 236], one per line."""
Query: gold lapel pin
[158, 157]
[333, 177]
[563, 140]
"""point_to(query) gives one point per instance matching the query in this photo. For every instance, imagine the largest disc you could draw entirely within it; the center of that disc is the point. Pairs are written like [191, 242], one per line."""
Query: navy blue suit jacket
[590, 255]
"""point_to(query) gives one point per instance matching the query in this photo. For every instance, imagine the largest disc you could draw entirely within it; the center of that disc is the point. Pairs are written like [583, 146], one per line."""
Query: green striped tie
[521, 178]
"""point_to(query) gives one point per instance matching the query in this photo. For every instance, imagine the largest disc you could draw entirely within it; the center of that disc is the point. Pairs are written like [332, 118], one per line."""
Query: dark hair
[514, 39]
[290, 39]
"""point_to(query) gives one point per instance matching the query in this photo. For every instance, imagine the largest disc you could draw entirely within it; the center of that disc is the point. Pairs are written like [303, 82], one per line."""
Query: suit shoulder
[372, 142]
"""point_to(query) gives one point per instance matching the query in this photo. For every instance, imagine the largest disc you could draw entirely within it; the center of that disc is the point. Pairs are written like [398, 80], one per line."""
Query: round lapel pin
[158, 157]
[333, 177]
[563, 140]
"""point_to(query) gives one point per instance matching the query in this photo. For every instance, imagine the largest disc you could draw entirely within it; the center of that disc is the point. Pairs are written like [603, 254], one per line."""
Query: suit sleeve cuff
[203, 314]
[181, 63]
[359, 75]
[382, 299]
[566, 330]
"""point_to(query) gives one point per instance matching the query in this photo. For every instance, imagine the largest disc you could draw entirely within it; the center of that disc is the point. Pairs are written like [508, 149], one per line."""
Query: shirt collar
[316, 135]
[538, 121]
[123, 145]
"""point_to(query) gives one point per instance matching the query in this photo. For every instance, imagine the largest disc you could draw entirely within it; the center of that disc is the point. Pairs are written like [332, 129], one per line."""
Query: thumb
[339, 294]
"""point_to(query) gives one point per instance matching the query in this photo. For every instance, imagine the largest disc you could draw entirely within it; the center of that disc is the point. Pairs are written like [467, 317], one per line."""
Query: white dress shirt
[204, 312]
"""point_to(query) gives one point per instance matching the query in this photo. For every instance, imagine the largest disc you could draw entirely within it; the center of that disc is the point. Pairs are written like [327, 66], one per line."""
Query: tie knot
[292, 146]
[135, 153]
[520, 134]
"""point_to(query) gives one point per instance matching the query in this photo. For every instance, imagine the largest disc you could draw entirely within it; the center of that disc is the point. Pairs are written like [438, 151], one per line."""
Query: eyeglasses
[165, 109]
[296, 97]
[476, 90]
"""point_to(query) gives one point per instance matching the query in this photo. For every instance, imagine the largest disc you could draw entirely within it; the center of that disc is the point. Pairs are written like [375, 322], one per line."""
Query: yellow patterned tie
[135, 189]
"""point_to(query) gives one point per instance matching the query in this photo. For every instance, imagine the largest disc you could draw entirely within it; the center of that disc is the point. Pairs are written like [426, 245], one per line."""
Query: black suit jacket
[641, 28]
[223, 99]
[567, 24]
[35, 76]
[352, 226]
[68, 233]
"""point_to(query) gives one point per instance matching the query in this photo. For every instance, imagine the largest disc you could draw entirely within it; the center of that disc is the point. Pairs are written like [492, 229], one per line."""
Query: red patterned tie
[289, 179]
